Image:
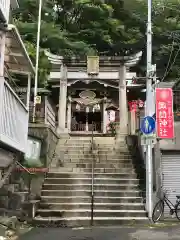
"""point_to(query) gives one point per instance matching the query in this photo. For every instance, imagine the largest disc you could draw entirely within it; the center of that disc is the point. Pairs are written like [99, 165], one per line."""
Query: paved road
[121, 233]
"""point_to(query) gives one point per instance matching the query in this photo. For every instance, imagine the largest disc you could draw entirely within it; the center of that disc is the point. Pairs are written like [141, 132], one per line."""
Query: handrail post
[29, 177]
[29, 186]
[92, 179]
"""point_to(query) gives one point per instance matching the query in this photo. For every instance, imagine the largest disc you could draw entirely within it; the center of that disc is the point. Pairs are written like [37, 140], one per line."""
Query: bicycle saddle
[178, 196]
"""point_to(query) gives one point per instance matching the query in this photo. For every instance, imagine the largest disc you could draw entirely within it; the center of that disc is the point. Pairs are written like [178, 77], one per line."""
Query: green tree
[103, 27]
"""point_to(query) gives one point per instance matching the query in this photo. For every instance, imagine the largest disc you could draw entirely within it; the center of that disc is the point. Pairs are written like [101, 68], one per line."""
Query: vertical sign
[164, 113]
[92, 64]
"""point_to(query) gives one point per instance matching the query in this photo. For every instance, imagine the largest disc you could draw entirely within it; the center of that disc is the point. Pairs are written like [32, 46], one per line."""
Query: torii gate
[119, 79]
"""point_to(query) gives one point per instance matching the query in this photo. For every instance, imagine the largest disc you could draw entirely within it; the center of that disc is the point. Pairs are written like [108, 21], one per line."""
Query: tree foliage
[102, 27]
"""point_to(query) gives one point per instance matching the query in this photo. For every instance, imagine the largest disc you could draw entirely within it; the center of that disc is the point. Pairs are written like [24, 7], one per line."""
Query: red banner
[164, 113]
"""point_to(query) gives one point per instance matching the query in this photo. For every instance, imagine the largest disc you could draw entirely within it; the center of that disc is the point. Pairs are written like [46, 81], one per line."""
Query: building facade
[15, 65]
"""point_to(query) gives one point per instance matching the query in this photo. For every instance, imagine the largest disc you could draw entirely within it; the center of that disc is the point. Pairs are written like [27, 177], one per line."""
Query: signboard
[38, 99]
[164, 113]
[148, 125]
[92, 64]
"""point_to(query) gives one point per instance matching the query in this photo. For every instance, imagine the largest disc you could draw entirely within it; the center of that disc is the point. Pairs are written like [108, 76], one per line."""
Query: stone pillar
[69, 114]
[104, 115]
[123, 110]
[62, 100]
[87, 125]
[123, 113]
[133, 122]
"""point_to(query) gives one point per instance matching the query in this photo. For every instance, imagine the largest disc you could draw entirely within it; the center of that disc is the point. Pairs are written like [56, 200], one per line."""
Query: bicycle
[159, 207]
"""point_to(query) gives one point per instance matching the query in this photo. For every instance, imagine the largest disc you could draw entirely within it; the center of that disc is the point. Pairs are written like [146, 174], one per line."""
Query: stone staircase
[66, 194]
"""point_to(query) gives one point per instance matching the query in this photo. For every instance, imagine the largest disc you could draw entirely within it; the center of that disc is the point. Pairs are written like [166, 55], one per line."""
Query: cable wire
[172, 48]
[172, 63]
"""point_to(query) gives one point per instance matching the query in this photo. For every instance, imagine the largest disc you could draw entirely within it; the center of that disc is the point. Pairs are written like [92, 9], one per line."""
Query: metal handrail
[92, 178]
[30, 174]
[18, 163]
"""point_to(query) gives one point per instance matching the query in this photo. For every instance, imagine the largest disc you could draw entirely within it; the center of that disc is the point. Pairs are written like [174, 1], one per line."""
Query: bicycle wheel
[158, 211]
[177, 211]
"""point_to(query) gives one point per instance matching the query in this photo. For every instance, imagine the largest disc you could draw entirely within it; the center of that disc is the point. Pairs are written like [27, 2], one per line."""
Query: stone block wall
[15, 190]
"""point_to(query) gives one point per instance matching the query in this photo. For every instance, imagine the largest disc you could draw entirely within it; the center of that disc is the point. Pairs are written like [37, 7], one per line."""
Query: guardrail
[5, 8]
[13, 118]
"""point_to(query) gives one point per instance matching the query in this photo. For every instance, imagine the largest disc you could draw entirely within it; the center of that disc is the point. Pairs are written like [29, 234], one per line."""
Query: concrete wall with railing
[4, 10]
[13, 118]
[45, 113]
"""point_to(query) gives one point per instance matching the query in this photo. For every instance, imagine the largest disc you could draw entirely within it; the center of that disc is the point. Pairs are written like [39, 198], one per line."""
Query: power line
[172, 48]
[173, 62]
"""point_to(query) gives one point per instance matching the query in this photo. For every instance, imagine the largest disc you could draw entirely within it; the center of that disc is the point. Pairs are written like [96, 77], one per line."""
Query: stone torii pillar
[123, 107]
[62, 100]
[123, 110]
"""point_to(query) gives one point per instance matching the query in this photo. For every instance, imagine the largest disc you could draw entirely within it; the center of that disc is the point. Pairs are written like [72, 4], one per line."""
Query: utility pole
[37, 59]
[148, 112]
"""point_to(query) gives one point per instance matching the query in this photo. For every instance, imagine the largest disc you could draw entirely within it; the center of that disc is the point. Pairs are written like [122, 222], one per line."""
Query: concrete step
[109, 154]
[96, 170]
[96, 206]
[98, 160]
[76, 147]
[87, 213]
[105, 149]
[97, 193]
[77, 157]
[123, 163]
[78, 141]
[86, 221]
[108, 151]
[87, 199]
[83, 181]
[112, 187]
[124, 174]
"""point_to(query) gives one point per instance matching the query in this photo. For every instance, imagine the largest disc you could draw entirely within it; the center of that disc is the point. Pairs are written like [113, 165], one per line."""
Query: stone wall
[15, 190]
[49, 141]
[48, 138]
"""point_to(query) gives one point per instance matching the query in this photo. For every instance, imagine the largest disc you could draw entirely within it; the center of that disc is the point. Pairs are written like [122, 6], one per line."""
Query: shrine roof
[76, 61]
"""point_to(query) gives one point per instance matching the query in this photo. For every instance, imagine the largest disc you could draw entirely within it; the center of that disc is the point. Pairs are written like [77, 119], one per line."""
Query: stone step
[96, 206]
[97, 193]
[78, 141]
[107, 150]
[72, 148]
[90, 157]
[97, 160]
[87, 199]
[109, 154]
[80, 186]
[86, 221]
[123, 163]
[87, 213]
[125, 174]
[76, 147]
[83, 181]
[96, 170]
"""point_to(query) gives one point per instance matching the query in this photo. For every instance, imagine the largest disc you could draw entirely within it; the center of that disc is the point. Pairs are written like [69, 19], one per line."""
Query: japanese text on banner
[164, 113]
